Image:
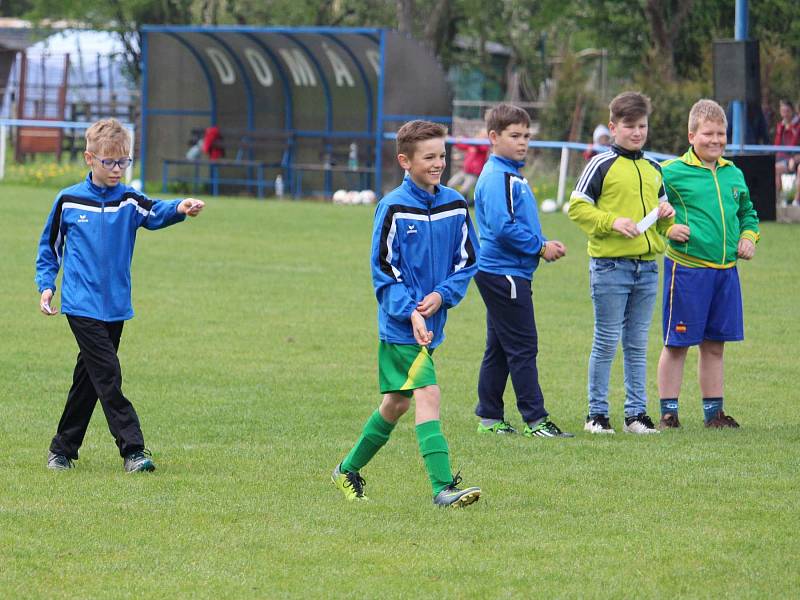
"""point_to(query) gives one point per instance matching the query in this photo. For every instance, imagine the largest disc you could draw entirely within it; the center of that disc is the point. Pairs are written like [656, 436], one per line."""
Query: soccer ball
[339, 197]
[352, 197]
[366, 197]
[549, 206]
[565, 208]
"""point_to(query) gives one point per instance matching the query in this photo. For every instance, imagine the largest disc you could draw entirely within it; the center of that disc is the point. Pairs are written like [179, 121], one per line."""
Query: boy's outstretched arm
[191, 207]
[156, 214]
[465, 264]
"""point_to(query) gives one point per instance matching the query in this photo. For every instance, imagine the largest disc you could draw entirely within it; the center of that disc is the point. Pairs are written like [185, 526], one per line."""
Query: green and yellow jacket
[715, 205]
[619, 183]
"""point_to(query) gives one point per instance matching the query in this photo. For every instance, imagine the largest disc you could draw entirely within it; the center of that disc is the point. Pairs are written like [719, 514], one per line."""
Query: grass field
[252, 363]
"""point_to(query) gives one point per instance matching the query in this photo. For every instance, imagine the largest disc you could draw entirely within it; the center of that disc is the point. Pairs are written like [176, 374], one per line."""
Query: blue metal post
[737, 107]
[143, 141]
[379, 120]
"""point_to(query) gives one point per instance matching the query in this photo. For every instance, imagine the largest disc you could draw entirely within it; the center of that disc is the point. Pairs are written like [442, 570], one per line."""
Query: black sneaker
[59, 462]
[454, 496]
[139, 462]
[598, 424]
[499, 428]
[545, 428]
[640, 424]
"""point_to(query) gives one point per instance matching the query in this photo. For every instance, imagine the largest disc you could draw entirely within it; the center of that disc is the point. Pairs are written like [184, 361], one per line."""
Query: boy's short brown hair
[706, 110]
[505, 115]
[413, 132]
[629, 106]
[108, 136]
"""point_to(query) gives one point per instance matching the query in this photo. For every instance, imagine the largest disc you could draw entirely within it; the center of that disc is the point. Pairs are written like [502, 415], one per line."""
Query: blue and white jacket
[508, 220]
[421, 243]
[90, 232]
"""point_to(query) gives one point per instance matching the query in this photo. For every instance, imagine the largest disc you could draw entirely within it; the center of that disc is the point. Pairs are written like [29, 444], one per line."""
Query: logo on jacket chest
[412, 228]
[83, 219]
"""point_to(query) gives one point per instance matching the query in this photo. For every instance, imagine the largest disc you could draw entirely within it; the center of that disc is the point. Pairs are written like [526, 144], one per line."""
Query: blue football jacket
[421, 243]
[508, 220]
[90, 233]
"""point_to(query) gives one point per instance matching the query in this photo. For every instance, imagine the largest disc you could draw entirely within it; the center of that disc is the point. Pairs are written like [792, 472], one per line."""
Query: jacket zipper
[722, 217]
[103, 255]
[644, 208]
[430, 244]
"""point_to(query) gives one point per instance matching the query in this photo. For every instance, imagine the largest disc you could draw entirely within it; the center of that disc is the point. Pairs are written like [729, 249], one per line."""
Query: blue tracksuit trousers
[511, 348]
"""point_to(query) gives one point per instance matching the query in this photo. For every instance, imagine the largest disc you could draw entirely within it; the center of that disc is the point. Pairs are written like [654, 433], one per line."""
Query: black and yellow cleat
[350, 482]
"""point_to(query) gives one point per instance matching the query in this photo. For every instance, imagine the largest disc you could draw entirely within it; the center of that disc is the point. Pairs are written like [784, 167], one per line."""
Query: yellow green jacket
[715, 205]
[619, 183]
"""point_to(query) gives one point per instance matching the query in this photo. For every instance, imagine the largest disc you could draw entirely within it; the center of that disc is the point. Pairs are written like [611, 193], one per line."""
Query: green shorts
[403, 368]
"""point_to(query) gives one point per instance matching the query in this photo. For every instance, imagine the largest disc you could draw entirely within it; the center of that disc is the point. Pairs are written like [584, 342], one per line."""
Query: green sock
[375, 434]
[433, 447]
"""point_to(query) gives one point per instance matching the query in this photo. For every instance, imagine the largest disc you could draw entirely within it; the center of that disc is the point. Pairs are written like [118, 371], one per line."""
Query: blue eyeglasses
[108, 163]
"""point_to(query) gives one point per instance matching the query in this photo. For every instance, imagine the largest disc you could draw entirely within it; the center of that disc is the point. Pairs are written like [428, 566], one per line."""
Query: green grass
[252, 364]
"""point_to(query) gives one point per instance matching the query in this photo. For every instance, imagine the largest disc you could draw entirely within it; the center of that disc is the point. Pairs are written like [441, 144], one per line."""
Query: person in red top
[474, 159]
[211, 143]
[787, 133]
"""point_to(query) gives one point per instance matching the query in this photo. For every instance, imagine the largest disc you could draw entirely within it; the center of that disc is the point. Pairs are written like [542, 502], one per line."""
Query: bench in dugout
[338, 161]
[258, 157]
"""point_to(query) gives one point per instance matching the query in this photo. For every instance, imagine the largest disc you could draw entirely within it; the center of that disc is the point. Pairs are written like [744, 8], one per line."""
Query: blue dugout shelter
[298, 102]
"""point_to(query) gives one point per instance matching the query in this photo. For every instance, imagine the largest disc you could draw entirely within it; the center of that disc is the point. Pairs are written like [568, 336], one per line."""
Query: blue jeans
[624, 294]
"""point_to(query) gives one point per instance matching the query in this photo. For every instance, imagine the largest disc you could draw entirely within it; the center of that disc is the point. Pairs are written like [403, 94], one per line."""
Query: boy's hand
[626, 227]
[191, 207]
[44, 303]
[421, 333]
[665, 210]
[746, 249]
[429, 304]
[553, 250]
[679, 233]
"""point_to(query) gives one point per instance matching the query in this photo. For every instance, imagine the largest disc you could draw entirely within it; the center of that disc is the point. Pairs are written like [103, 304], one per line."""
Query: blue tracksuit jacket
[421, 243]
[508, 220]
[90, 232]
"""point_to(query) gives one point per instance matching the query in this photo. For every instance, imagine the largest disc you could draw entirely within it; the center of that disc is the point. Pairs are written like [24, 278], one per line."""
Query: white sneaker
[640, 424]
[598, 424]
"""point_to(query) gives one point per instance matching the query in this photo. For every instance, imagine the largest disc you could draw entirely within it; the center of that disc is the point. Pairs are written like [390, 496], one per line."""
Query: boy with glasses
[90, 233]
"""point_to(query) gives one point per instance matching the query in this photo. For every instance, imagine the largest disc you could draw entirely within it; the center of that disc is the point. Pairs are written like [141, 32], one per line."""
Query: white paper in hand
[648, 220]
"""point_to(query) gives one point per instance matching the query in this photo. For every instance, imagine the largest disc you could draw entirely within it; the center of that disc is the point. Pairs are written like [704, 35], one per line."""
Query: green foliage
[572, 111]
[251, 362]
[43, 170]
[668, 124]
[649, 42]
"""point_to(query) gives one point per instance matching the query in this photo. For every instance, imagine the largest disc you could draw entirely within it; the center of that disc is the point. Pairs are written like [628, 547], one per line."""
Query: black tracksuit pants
[97, 375]
[512, 344]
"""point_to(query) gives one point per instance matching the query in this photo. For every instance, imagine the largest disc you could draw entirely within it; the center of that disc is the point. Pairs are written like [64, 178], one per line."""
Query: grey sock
[490, 422]
[533, 424]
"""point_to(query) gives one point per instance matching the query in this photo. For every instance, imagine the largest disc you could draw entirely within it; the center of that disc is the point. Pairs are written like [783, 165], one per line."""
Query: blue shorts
[701, 304]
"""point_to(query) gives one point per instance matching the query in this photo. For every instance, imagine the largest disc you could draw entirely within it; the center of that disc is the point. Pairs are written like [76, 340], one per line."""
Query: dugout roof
[310, 83]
